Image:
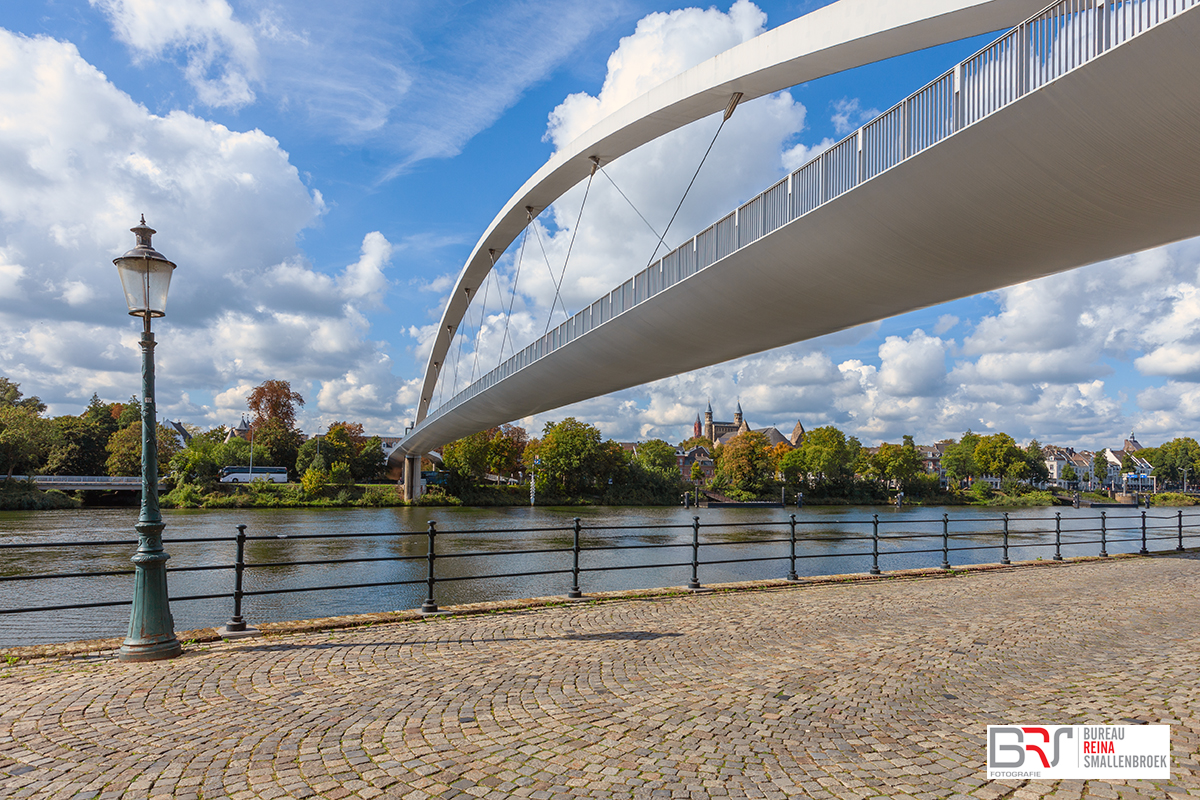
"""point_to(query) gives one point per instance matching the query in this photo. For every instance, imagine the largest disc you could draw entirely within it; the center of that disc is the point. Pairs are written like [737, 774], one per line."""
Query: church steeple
[737, 415]
[708, 423]
[696, 429]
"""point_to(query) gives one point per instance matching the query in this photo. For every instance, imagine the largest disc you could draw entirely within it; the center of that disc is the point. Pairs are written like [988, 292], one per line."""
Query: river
[830, 540]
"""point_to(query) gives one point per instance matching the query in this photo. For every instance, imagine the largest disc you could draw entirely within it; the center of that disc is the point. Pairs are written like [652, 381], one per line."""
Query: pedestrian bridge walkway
[857, 689]
[1057, 146]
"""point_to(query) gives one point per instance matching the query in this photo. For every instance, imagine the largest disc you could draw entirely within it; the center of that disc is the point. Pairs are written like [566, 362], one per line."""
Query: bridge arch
[838, 37]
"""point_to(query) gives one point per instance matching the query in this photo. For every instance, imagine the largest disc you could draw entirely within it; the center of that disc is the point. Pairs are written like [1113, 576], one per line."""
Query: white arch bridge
[1071, 139]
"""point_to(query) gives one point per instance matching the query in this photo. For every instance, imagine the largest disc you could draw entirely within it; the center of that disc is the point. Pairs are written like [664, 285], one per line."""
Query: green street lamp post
[145, 277]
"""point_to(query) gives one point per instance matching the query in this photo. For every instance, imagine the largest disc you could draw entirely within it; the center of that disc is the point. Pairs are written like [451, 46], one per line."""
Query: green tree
[102, 414]
[125, 450]
[958, 460]
[999, 455]
[828, 454]
[695, 441]
[1035, 462]
[1100, 467]
[898, 463]
[130, 413]
[658, 455]
[697, 473]
[25, 439]
[467, 457]
[572, 458]
[10, 395]
[78, 447]
[1069, 475]
[1172, 458]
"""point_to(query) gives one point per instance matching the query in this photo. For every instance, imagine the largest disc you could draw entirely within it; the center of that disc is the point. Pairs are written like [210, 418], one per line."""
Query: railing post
[1005, 559]
[875, 546]
[792, 576]
[575, 592]
[1179, 523]
[945, 541]
[1104, 534]
[1058, 536]
[236, 628]
[430, 606]
[695, 582]
[1143, 551]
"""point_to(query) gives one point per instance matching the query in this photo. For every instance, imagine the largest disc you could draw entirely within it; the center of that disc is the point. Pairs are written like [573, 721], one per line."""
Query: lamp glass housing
[145, 276]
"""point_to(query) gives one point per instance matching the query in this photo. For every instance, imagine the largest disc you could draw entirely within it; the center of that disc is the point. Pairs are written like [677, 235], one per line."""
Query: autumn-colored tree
[777, 453]
[744, 465]
[506, 449]
[274, 401]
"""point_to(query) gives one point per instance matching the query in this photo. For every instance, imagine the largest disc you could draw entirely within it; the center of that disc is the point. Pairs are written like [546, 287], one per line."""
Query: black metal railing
[590, 547]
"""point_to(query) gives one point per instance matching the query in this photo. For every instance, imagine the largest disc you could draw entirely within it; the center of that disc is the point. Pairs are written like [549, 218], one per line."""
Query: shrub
[1173, 499]
[184, 495]
[314, 481]
[340, 474]
[436, 496]
[380, 497]
[981, 491]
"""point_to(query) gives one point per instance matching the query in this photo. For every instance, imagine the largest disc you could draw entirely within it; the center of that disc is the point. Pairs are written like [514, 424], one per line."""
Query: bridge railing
[1063, 37]
[574, 558]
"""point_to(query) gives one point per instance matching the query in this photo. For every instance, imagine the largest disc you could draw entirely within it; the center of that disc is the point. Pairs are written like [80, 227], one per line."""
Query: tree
[572, 458]
[129, 413]
[25, 439]
[695, 441]
[1069, 475]
[467, 457]
[958, 460]
[999, 455]
[828, 454]
[658, 455]
[744, 465]
[505, 450]
[125, 450]
[1172, 458]
[1035, 462]
[282, 445]
[78, 447]
[697, 472]
[897, 463]
[776, 455]
[10, 395]
[102, 414]
[1100, 467]
[274, 401]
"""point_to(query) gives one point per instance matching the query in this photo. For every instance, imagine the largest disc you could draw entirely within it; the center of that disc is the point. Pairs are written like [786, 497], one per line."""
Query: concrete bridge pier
[412, 477]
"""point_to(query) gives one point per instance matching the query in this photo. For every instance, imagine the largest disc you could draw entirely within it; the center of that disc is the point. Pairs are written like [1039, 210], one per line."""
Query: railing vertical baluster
[1005, 559]
[430, 606]
[1104, 534]
[575, 592]
[875, 546]
[792, 576]
[945, 541]
[695, 581]
[1143, 551]
[236, 624]
[1179, 524]
[1058, 536]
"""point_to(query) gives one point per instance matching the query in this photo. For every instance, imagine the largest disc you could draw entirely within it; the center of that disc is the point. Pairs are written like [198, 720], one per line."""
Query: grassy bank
[25, 496]
[289, 495]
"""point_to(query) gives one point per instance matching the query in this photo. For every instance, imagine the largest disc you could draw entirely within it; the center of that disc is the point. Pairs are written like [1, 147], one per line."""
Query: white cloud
[915, 366]
[221, 52]
[81, 162]
[849, 115]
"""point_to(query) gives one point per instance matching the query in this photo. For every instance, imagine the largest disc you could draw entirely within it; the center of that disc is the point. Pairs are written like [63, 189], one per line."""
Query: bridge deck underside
[1101, 163]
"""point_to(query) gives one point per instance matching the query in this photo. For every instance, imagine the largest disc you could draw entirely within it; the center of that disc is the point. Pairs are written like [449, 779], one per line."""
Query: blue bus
[242, 474]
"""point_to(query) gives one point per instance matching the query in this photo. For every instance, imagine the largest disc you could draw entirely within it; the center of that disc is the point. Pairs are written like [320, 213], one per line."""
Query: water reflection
[477, 558]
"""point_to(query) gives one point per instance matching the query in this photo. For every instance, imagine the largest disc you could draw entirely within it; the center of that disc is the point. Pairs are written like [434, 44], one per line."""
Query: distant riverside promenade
[858, 688]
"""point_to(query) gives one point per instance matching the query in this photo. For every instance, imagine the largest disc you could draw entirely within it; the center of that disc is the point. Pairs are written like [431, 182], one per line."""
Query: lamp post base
[155, 651]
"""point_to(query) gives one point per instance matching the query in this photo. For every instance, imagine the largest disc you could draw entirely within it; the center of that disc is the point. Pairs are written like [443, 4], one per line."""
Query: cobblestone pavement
[845, 690]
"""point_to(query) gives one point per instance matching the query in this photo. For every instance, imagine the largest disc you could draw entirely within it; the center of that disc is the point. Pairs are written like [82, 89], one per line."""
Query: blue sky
[320, 175]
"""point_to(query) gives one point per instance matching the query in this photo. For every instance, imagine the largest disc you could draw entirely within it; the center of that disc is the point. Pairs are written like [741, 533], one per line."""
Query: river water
[829, 541]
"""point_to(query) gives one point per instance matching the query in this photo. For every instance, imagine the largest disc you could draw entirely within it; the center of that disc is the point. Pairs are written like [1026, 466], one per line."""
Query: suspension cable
[549, 268]
[483, 314]
[458, 360]
[733, 101]
[631, 205]
[513, 297]
[571, 246]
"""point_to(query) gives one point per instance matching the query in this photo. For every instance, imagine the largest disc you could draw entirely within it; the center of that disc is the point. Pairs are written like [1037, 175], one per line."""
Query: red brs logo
[1018, 743]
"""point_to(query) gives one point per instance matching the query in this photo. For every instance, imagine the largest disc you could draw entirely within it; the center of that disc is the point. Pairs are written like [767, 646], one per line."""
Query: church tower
[737, 415]
[696, 429]
[708, 423]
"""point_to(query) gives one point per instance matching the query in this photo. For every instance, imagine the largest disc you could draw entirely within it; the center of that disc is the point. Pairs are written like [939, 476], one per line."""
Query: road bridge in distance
[95, 483]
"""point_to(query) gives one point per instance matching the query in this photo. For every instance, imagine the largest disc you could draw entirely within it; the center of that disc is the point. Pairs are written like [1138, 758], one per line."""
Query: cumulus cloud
[220, 52]
[849, 115]
[81, 162]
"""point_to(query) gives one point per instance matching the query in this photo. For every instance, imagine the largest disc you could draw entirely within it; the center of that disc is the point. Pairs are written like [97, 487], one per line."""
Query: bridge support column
[412, 477]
